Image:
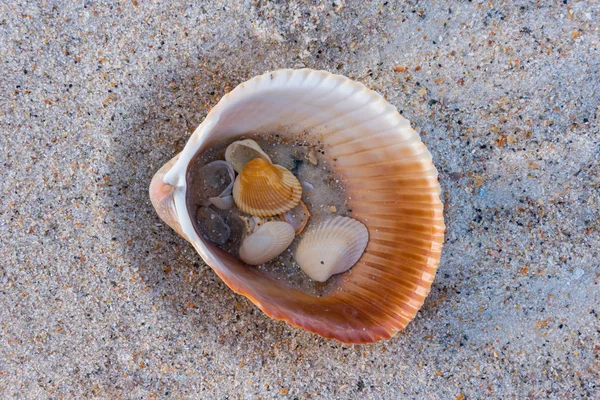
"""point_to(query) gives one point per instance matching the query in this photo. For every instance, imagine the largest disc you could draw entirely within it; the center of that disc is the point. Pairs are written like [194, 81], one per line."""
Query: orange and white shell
[390, 181]
[264, 189]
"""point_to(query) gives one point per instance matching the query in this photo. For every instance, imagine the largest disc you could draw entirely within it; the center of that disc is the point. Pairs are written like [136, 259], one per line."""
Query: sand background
[99, 299]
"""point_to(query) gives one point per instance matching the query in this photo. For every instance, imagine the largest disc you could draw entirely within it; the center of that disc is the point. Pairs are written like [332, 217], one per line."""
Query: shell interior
[214, 180]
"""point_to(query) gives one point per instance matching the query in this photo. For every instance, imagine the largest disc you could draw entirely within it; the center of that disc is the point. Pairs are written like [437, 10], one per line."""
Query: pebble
[312, 157]
[578, 273]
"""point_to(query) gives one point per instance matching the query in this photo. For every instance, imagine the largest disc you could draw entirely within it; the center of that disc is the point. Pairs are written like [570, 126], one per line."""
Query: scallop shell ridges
[264, 189]
[332, 247]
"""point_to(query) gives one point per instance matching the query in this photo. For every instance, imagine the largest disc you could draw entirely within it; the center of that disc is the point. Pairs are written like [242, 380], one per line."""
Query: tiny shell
[222, 203]
[312, 157]
[251, 224]
[212, 225]
[332, 247]
[215, 180]
[269, 241]
[297, 217]
[263, 189]
[240, 153]
[308, 185]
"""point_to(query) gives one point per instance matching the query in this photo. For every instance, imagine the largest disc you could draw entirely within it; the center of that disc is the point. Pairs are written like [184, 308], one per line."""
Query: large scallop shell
[267, 242]
[390, 181]
[331, 247]
[264, 189]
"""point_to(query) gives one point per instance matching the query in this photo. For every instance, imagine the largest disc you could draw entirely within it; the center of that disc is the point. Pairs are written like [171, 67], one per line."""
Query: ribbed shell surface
[392, 189]
[263, 189]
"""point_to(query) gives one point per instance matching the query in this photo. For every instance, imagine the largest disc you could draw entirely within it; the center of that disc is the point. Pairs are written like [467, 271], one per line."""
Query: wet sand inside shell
[322, 192]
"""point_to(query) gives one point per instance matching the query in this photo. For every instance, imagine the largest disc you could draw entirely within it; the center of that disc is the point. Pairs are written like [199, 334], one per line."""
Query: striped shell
[264, 189]
[267, 242]
[332, 247]
[391, 184]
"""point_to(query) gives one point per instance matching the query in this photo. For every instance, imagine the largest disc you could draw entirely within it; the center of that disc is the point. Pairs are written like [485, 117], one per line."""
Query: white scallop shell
[267, 242]
[332, 247]
[239, 153]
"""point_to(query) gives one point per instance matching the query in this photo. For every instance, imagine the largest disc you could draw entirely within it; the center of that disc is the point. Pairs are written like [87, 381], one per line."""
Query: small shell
[212, 225]
[308, 185]
[332, 247]
[240, 153]
[264, 189]
[297, 217]
[222, 203]
[250, 223]
[214, 180]
[312, 157]
[269, 241]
